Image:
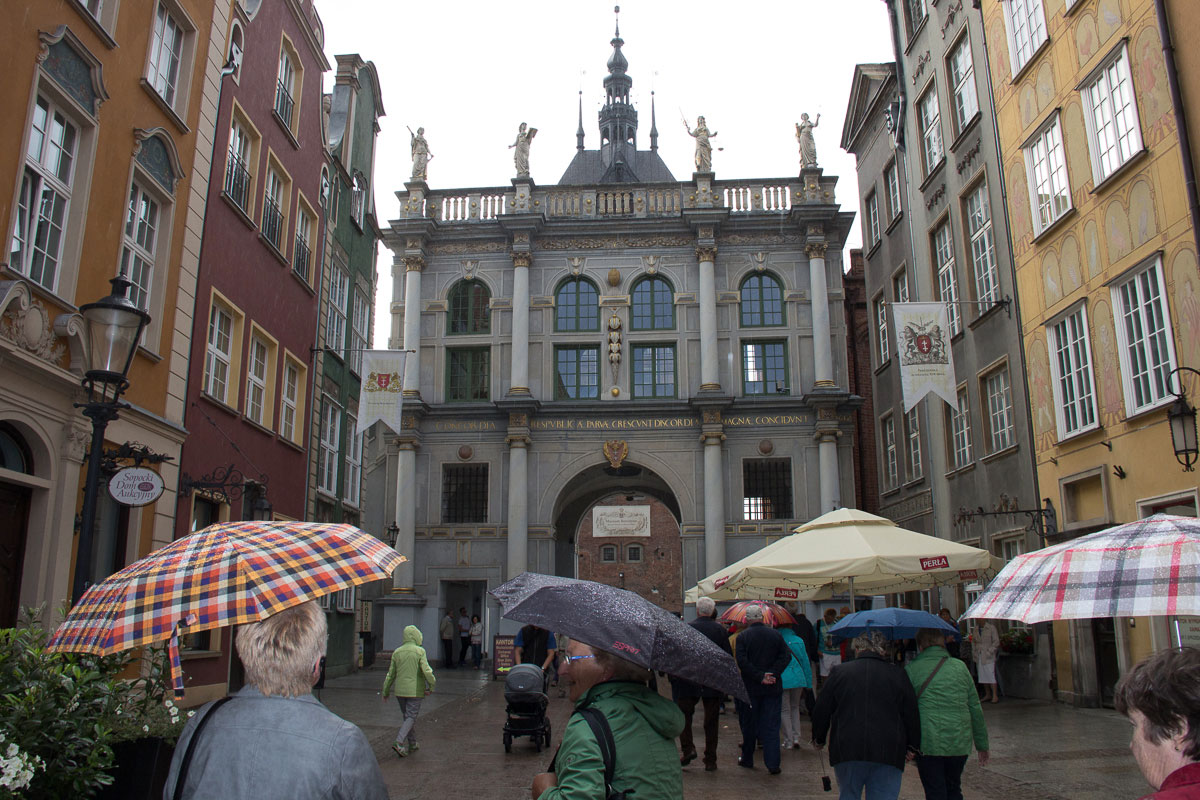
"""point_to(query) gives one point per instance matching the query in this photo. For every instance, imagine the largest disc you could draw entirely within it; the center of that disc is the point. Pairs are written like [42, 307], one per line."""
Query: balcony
[237, 181]
[284, 103]
[272, 222]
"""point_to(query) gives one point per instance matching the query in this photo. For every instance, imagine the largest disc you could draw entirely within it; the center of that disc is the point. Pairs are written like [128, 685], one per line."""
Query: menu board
[503, 655]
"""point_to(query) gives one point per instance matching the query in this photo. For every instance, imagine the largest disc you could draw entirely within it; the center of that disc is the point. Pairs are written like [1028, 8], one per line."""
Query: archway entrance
[621, 527]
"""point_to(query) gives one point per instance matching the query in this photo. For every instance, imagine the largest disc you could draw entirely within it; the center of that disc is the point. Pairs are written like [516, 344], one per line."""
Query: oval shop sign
[135, 486]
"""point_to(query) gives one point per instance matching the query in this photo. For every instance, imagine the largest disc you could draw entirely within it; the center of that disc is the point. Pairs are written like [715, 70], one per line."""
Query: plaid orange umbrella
[230, 573]
[774, 614]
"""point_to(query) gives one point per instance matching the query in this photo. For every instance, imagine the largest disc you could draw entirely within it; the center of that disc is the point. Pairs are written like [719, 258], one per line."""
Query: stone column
[406, 512]
[711, 437]
[822, 344]
[518, 493]
[413, 265]
[827, 455]
[706, 254]
[519, 372]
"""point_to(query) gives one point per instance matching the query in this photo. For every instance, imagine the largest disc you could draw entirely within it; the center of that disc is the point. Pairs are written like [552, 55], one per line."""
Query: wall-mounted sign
[135, 486]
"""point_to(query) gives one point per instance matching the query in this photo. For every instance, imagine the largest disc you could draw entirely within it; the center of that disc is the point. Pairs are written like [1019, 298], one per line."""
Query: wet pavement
[1040, 751]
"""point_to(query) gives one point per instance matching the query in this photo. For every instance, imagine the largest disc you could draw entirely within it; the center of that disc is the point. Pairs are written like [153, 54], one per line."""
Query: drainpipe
[1181, 126]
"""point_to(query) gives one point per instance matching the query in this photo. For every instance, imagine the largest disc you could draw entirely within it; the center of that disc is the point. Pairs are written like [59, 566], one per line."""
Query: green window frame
[468, 309]
[577, 306]
[653, 302]
[468, 374]
[762, 302]
[654, 370]
[576, 372]
[764, 367]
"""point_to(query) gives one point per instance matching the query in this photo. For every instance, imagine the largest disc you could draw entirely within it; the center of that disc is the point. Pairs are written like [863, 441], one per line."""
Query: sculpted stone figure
[808, 146]
[420, 154]
[703, 146]
[521, 157]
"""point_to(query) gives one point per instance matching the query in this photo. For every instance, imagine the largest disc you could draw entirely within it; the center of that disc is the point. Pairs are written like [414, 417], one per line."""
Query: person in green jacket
[644, 727]
[412, 678]
[951, 717]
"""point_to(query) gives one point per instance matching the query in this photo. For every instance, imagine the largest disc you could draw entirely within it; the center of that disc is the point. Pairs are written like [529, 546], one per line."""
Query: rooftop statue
[703, 147]
[521, 157]
[420, 154]
[808, 146]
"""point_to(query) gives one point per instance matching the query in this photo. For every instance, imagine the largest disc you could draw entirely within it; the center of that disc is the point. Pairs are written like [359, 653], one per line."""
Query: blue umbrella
[894, 623]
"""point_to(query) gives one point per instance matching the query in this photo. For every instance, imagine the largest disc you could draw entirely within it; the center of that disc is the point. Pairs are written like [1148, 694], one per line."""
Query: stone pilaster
[818, 283]
[414, 264]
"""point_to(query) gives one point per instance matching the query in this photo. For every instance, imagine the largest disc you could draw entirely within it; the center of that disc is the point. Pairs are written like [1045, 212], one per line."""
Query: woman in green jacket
[951, 717]
[412, 678]
[644, 727]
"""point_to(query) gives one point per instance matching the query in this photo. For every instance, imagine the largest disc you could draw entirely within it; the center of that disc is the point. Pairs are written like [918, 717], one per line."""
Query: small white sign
[1189, 631]
[135, 486]
[621, 521]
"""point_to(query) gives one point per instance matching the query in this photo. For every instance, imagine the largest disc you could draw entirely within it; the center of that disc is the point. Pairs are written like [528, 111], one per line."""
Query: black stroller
[525, 709]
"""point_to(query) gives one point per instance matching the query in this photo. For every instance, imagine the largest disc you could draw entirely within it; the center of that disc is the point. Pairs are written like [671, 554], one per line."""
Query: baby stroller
[525, 709]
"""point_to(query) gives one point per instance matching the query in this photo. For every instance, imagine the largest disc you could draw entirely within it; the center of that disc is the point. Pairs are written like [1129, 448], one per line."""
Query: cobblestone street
[1040, 751]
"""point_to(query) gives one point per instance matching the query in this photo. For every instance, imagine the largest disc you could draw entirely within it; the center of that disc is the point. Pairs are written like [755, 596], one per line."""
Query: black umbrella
[621, 623]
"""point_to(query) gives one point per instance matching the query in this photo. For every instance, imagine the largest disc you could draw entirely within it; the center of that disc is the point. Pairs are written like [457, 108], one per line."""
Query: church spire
[579, 130]
[653, 124]
[618, 119]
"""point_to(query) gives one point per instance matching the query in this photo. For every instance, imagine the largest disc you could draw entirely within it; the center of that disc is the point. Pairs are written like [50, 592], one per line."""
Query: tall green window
[468, 373]
[654, 370]
[653, 305]
[577, 306]
[576, 373]
[469, 312]
[761, 301]
[764, 367]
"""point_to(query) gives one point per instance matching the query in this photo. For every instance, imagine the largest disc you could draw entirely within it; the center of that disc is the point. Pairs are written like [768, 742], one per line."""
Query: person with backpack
[618, 716]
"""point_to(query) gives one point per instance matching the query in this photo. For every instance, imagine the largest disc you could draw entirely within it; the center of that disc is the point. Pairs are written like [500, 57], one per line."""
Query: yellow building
[1105, 255]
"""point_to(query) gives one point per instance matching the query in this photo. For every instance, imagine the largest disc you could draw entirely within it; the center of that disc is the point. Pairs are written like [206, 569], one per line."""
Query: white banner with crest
[382, 389]
[923, 347]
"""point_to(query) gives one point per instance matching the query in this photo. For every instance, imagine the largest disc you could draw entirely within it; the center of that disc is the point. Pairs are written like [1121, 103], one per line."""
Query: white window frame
[1073, 381]
[273, 194]
[891, 466]
[872, 204]
[964, 95]
[891, 181]
[900, 286]
[360, 316]
[166, 68]
[43, 172]
[289, 403]
[1046, 171]
[344, 599]
[1145, 344]
[335, 321]
[218, 359]
[139, 242]
[331, 442]
[1025, 22]
[358, 200]
[929, 117]
[256, 379]
[353, 462]
[947, 281]
[915, 19]
[1110, 115]
[960, 428]
[978, 210]
[912, 432]
[881, 331]
[1001, 427]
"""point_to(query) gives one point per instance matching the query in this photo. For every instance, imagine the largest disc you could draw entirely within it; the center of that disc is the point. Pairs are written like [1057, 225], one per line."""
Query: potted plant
[1017, 642]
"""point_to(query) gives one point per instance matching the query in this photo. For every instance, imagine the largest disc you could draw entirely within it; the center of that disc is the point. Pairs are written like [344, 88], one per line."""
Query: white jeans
[790, 716]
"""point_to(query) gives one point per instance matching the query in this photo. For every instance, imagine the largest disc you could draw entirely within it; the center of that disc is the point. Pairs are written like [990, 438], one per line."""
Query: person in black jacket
[804, 629]
[687, 694]
[762, 656]
[872, 708]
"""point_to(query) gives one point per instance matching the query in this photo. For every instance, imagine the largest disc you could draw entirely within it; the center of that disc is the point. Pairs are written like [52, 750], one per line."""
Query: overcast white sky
[471, 71]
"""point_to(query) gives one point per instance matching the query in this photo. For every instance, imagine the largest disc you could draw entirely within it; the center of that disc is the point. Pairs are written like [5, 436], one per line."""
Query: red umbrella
[230, 573]
[774, 614]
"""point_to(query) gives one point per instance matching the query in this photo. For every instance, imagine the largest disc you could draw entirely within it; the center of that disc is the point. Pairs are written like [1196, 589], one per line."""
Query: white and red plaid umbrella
[1147, 568]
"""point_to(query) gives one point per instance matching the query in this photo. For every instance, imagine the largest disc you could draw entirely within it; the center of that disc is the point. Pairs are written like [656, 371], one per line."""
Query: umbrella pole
[852, 608]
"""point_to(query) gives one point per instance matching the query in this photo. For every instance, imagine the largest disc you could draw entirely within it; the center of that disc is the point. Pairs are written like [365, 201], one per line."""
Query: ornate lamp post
[1182, 418]
[393, 532]
[114, 327]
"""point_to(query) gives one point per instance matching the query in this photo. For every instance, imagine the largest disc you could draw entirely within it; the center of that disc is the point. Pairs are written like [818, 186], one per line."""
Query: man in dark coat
[872, 708]
[762, 656]
[804, 629]
[687, 694]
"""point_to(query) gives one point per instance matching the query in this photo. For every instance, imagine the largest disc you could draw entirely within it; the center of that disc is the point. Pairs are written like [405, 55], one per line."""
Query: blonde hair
[280, 651]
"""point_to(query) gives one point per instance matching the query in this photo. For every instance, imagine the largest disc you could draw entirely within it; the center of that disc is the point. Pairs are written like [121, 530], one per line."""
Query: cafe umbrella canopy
[847, 551]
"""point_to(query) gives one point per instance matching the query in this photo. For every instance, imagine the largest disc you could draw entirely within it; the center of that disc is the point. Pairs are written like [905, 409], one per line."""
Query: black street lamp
[114, 327]
[393, 533]
[1182, 418]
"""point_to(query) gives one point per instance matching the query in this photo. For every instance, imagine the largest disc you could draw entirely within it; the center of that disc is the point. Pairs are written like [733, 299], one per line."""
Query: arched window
[577, 306]
[14, 452]
[653, 305]
[762, 301]
[469, 312]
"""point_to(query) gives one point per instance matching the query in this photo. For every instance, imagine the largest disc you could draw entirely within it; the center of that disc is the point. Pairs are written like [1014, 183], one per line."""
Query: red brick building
[632, 541]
